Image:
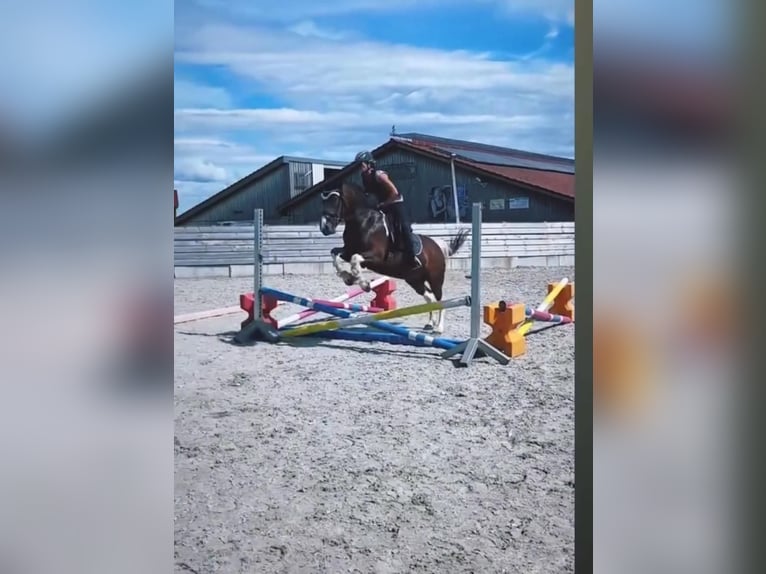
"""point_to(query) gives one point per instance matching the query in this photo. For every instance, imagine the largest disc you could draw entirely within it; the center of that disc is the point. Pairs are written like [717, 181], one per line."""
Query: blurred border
[584, 266]
[752, 119]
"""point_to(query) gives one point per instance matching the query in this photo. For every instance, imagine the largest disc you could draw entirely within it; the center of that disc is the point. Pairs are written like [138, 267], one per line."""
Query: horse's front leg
[339, 257]
[358, 261]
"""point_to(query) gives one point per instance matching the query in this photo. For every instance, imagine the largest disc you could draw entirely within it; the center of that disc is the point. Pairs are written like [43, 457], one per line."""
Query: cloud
[337, 93]
[342, 90]
[552, 33]
[351, 76]
[192, 94]
[561, 11]
[199, 170]
[310, 121]
[308, 28]
[205, 156]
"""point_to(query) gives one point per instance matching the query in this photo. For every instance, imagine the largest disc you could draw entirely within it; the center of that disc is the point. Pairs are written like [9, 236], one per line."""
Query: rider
[378, 183]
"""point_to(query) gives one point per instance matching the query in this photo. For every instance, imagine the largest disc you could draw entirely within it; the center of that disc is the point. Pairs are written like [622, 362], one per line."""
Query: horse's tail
[457, 242]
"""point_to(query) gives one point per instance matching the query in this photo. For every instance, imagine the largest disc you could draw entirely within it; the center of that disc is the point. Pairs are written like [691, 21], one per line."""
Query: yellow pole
[545, 305]
[394, 313]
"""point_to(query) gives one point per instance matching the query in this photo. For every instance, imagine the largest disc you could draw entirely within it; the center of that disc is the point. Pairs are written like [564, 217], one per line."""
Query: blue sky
[255, 80]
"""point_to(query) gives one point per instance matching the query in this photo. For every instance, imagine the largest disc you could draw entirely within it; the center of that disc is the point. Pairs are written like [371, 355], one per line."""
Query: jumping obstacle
[383, 287]
[546, 304]
[511, 323]
[261, 326]
[377, 317]
[374, 320]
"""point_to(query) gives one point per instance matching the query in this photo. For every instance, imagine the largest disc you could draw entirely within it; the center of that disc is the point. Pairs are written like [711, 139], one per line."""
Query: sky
[256, 80]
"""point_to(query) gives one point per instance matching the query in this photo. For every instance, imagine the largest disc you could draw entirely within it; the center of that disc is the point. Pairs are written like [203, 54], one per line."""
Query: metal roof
[486, 153]
[556, 182]
[506, 160]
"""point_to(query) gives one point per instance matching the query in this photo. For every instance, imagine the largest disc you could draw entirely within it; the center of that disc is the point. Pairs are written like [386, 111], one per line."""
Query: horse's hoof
[428, 327]
[349, 281]
[365, 285]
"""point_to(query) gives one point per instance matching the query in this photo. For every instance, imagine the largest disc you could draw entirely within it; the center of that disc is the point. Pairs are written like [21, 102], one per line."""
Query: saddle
[394, 232]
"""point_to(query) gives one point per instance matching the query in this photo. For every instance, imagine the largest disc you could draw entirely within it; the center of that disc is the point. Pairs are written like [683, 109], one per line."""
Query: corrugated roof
[555, 182]
[486, 153]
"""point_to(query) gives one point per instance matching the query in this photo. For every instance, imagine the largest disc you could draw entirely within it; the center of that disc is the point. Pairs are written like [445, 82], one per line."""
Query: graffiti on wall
[442, 204]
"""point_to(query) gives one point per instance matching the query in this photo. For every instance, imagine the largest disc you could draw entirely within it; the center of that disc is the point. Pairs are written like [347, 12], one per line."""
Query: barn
[266, 188]
[512, 185]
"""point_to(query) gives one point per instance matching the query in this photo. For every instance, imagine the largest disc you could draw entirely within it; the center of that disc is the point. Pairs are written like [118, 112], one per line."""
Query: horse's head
[341, 204]
[332, 211]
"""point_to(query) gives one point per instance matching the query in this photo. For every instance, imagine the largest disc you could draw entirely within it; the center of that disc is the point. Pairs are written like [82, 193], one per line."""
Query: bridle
[335, 218]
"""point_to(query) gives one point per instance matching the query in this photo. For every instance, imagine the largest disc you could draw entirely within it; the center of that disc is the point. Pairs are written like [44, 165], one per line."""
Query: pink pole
[355, 292]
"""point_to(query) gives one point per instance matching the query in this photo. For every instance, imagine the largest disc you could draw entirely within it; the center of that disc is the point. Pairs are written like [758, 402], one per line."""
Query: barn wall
[427, 187]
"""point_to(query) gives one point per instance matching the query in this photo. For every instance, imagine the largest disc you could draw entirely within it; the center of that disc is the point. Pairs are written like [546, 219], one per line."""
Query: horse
[369, 241]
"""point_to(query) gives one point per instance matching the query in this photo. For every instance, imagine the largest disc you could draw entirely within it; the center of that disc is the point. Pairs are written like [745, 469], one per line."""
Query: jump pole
[198, 315]
[403, 332]
[545, 317]
[284, 322]
[475, 344]
[370, 336]
[367, 319]
[372, 320]
[544, 306]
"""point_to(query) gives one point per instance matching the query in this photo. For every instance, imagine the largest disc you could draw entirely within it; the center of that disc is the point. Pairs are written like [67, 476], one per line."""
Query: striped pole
[355, 292]
[370, 336]
[367, 319]
[426, 340]
[546, 317]
[545, 305]
[353, 307]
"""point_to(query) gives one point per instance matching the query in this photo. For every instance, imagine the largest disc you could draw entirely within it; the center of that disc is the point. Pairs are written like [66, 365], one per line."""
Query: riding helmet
[365, 156]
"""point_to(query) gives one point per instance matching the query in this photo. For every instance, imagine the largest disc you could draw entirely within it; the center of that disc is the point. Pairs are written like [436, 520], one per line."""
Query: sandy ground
[337, 456]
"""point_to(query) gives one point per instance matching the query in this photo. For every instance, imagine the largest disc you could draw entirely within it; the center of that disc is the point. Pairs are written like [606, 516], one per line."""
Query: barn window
[518, 203]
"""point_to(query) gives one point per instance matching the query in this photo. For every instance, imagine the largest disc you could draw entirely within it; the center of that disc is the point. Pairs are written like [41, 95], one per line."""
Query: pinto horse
[369, 241]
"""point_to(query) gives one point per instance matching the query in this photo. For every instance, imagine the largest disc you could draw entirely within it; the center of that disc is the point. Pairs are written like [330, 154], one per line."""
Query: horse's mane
[355, 187]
